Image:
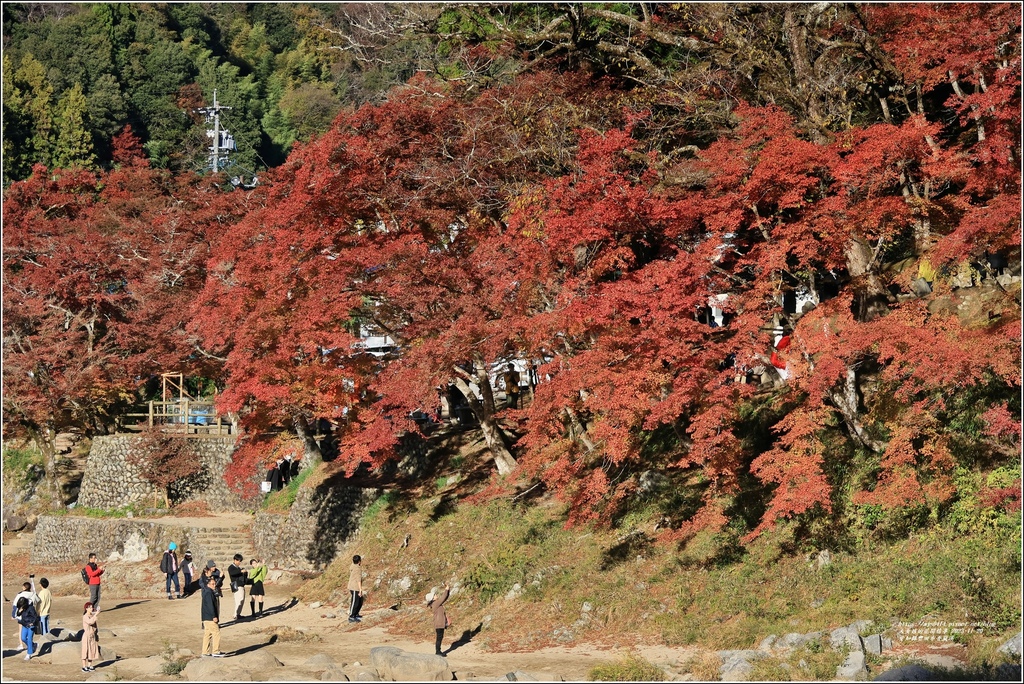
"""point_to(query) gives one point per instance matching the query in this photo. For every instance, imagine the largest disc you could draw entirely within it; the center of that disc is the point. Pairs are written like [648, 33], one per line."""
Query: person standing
[238, 577]
[511, 378]
[355, 589]
[26, 615]
[210, 615]
[45, 599]
[257, 573]
[93, 572]
[274, 476]
[169, 566]
[436, 604]
[188, 570]
[90, 637]
[28, 591]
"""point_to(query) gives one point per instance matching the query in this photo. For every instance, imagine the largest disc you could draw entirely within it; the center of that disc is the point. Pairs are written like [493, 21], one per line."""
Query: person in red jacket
[93, 571]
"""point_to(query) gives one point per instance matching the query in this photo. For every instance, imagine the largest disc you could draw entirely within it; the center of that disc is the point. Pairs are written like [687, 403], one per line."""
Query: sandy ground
[146, 628]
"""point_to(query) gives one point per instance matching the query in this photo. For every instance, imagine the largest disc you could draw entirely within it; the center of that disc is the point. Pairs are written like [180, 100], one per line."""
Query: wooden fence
[189, 417]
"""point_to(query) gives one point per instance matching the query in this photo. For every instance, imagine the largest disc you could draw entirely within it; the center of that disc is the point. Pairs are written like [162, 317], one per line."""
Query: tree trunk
[483, 409]
[45, 439]
[844, 398]
[871, 299]
[311, 454]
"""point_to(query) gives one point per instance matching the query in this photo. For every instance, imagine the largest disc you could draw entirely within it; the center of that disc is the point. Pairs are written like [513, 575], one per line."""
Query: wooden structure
[178, 412]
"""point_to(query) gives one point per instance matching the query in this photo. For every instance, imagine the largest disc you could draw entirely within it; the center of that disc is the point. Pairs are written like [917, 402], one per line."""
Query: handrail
[188, 416]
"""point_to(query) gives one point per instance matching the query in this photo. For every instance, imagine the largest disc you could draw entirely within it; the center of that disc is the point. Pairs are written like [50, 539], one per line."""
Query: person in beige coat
[90, 637]
[436, 603]
[355, 590]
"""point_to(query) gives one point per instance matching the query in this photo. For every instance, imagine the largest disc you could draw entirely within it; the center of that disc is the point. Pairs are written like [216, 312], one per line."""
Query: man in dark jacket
[238, 579]
[211, 619]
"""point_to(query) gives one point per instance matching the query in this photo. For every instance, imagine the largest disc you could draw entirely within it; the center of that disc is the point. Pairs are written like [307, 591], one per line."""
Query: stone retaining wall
[111, 480]
[69, 539]
[315, 530]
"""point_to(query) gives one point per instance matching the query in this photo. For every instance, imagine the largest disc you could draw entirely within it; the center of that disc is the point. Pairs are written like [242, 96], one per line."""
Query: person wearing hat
[211, 570]
[436, 604]
[169, 566]
[188, 569]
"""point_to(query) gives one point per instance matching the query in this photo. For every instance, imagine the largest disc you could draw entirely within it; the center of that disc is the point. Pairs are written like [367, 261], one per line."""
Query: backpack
[85, 576]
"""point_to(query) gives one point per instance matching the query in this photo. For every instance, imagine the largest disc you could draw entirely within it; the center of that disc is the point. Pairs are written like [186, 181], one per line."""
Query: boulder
[319, 662]
[361, 673]
[69, 653]
[797, 640]
[1008, 672]
[873, 644]
[16, 522]
[394, 664]
[736, 665]
[853, 667]
[215, 670]
[907, 673]
[334, 674]
[1013, 646]
[256, 661]
[846, 637]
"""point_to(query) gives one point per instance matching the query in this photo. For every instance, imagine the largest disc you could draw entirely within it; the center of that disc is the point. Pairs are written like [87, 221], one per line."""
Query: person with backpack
[169, 566]
[26, 615]
[91, 574]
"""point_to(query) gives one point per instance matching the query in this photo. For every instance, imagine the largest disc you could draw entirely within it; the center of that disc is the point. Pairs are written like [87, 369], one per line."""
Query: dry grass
[291, 634]
[704, 667]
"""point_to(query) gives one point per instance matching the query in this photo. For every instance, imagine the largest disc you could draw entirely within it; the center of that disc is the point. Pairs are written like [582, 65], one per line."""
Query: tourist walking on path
[90, 637]
[188, 570]
[93, 572]
[26, 615]
[45, 600]
[210, 614]
[257, 573]
[355, 589]
[169, 566]
[28, 591]
[436, 604]
[238, 577]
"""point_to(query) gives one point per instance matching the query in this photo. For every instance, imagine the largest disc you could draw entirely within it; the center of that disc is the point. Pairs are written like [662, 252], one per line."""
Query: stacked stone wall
[316, 529]
[69, 539]
[112, 480]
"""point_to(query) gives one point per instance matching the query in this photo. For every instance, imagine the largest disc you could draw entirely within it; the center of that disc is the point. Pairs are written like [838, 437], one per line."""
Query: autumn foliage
[584, 224]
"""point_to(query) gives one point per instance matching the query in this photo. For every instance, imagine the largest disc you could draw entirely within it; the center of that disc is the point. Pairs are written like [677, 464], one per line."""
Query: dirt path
[145, 628]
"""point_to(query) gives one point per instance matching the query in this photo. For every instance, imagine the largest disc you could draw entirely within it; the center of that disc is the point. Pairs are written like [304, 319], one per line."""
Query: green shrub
[24, 466]
[632, 668]
[377, 507]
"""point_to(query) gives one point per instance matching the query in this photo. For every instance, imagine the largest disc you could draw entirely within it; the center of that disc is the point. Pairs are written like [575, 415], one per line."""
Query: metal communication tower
[221, 142]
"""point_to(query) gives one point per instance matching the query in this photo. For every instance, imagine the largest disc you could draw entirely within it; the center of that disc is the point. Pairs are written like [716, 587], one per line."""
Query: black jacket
[237, 576]
[165, 563]
[211, 605]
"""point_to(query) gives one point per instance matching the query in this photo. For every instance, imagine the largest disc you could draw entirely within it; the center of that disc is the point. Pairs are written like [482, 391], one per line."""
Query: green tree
[73, 141]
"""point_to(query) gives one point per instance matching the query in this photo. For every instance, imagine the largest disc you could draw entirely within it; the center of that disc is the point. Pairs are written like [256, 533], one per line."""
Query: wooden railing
[186, 416]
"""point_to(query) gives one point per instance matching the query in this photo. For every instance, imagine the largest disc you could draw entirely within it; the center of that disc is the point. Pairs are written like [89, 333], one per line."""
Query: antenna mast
[222, 141]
